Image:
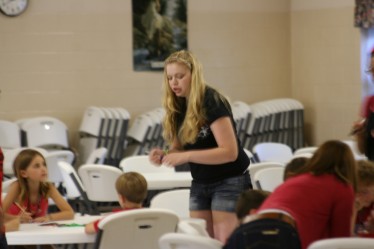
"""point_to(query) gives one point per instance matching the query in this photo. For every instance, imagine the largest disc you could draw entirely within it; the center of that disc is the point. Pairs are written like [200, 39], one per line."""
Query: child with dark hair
[249, 201]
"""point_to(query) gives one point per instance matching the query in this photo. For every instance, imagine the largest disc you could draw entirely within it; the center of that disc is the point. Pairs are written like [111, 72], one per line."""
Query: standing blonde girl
[28, 196]
[200, 129]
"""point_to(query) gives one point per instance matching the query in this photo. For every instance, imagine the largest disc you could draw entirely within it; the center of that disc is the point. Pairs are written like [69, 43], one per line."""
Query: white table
[168, 180]
[34, 234]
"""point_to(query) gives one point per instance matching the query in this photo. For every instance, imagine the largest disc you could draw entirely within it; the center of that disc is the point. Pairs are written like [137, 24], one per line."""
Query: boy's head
[249, 201]
[365, 189]
[132, 186]
[292, 168]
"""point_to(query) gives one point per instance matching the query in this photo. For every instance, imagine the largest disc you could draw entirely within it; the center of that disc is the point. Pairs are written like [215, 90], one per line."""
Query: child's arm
[11, 198]
[90, 228]
[66, 211]
[12, 224]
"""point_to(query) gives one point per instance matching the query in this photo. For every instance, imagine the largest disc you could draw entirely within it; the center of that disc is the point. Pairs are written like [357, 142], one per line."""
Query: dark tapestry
[159, 28]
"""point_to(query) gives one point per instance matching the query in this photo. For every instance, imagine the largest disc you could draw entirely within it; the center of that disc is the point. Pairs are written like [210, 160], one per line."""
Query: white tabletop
[168, 180]
[35, 234]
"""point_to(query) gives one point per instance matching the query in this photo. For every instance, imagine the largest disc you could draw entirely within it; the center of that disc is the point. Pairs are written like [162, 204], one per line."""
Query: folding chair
[255, 167]
[175, 200]
[268, 179]
[46, 132]
[135, 229]
[75, 191]
[343, 243]
[188, 241]
[275, 152]
[10, 135]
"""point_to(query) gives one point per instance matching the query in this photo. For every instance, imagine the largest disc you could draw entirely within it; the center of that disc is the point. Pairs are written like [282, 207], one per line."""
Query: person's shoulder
[14, 185]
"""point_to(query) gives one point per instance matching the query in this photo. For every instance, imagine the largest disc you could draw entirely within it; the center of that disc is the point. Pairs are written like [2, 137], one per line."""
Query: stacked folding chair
[242, 116]
[145, 133]
[104, 127]
[277, 120]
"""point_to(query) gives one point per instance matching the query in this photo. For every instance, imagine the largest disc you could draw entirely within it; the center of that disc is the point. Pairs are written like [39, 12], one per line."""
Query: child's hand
[155, 156]
[41, 219]
[25, 217]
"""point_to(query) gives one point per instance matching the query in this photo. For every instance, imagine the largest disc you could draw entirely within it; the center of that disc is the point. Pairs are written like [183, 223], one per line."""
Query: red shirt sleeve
[368, 106]
[96, 225]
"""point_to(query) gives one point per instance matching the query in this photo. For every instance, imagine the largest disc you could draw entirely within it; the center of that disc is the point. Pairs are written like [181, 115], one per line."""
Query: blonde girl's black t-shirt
[203, 173]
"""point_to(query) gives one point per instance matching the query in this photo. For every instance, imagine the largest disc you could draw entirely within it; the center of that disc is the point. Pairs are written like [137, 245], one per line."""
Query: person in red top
[27, 197]
[366, 143]
[131, 189]
[317, 203]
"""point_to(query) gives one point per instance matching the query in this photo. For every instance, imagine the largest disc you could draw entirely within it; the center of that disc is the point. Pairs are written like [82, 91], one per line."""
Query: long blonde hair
[174, 105]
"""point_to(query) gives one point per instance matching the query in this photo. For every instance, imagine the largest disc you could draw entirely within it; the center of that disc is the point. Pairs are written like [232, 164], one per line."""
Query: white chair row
[46, 132]
[145, 132]
[148, 228]
[104, 127]
[242, 115]
[277, 120]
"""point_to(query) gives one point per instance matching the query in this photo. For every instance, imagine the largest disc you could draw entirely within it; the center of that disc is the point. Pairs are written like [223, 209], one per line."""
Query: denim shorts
[218, 196]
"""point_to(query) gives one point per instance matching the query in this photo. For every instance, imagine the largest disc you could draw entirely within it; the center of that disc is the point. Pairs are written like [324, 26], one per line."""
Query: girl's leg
[224, 223]
[207, 216]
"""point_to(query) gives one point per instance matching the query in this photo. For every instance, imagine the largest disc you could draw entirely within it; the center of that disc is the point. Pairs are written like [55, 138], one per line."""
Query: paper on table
[55, 224]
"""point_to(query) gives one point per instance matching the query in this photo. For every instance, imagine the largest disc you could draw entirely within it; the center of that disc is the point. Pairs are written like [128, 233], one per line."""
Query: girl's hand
[25, 217]
[42, 219]
[175, 159]
[155, 156]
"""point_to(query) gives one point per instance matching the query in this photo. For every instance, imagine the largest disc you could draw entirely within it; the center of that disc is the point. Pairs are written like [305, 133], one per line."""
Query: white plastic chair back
[343, 243]
[135, 229]
[97, 156]
[92, 122]
[255, 167]
[141, 128]
[193, 226]
[72, 190]
[98, 180]
[45, 132]
[52, 159]
[10, 135]
[268, 179]
[275, 152]
[188, 241]
[141, 164]
[174, 200]
[304, 150]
